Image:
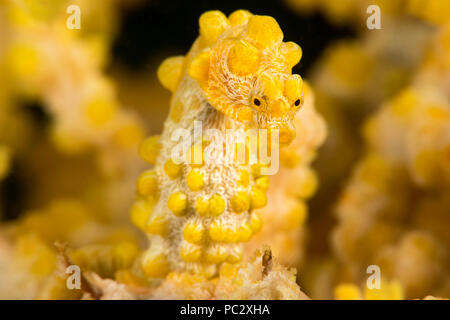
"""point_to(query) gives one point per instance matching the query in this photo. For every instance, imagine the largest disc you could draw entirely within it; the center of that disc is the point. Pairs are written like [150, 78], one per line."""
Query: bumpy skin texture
[236, 76]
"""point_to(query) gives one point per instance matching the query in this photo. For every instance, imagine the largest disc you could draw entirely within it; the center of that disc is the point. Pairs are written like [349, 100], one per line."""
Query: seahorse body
[237, 76]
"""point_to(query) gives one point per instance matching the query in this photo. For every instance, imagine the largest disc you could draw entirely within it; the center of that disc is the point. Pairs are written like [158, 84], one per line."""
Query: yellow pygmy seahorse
[236, 76]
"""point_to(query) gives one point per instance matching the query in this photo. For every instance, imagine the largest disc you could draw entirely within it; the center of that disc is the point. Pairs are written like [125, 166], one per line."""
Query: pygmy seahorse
[237, 76]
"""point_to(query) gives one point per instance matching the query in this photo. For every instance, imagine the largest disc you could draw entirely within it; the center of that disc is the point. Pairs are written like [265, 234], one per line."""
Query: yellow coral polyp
[258, 198]
[147, 183]
[100, 111]
[240, 202]
[264, 31]
[149, 149]
[292, 53]
[190, 252]
[194, 180]
[202, 206]
[172, 169]
[154, 264]
[156, 224]
[216, 254]
[347, 291]
[243, 58]
[193, 232]
[140, 212]
[199, 68]
[169, 72]
[245, 232]
[387, 291]
[216, 231]
[293, 87]
[212, 24]
[177, 203]
[216, 205]
[235, 254]
[263, 183]
[255, 222]
[239, 17]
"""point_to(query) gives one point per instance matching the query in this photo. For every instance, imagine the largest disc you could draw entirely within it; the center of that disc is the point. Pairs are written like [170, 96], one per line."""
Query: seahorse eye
[297, 102]
[256, 102]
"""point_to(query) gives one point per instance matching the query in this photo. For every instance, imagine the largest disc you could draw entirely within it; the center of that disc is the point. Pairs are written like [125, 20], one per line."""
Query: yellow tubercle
[140, 212]
[258, 198]
[292, 53]
[239, 17]
[147, 183]
[245, 232]
[234, 254]
[216, 205]
[240, 202]
[190, 252]
[172, 169]
[169, 72]
[264, 31]
[255, 222]
[194, 180]
[202, 206]
[216, 231]
[177, 203]
[149, 149]
[199, 68]
[156, 224]
[212, 24]
[193, 232]
[387, 291]
[100, 111]
[263, 183]
[293, 87]
[243, 58]
[347, 292]
[154, 264]
[216, 254]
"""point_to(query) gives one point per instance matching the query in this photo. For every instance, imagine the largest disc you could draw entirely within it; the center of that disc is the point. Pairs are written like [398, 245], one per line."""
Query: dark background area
[171, 26]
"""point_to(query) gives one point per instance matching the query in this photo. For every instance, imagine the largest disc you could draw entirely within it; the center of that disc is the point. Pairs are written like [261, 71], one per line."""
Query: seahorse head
[245, 70]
